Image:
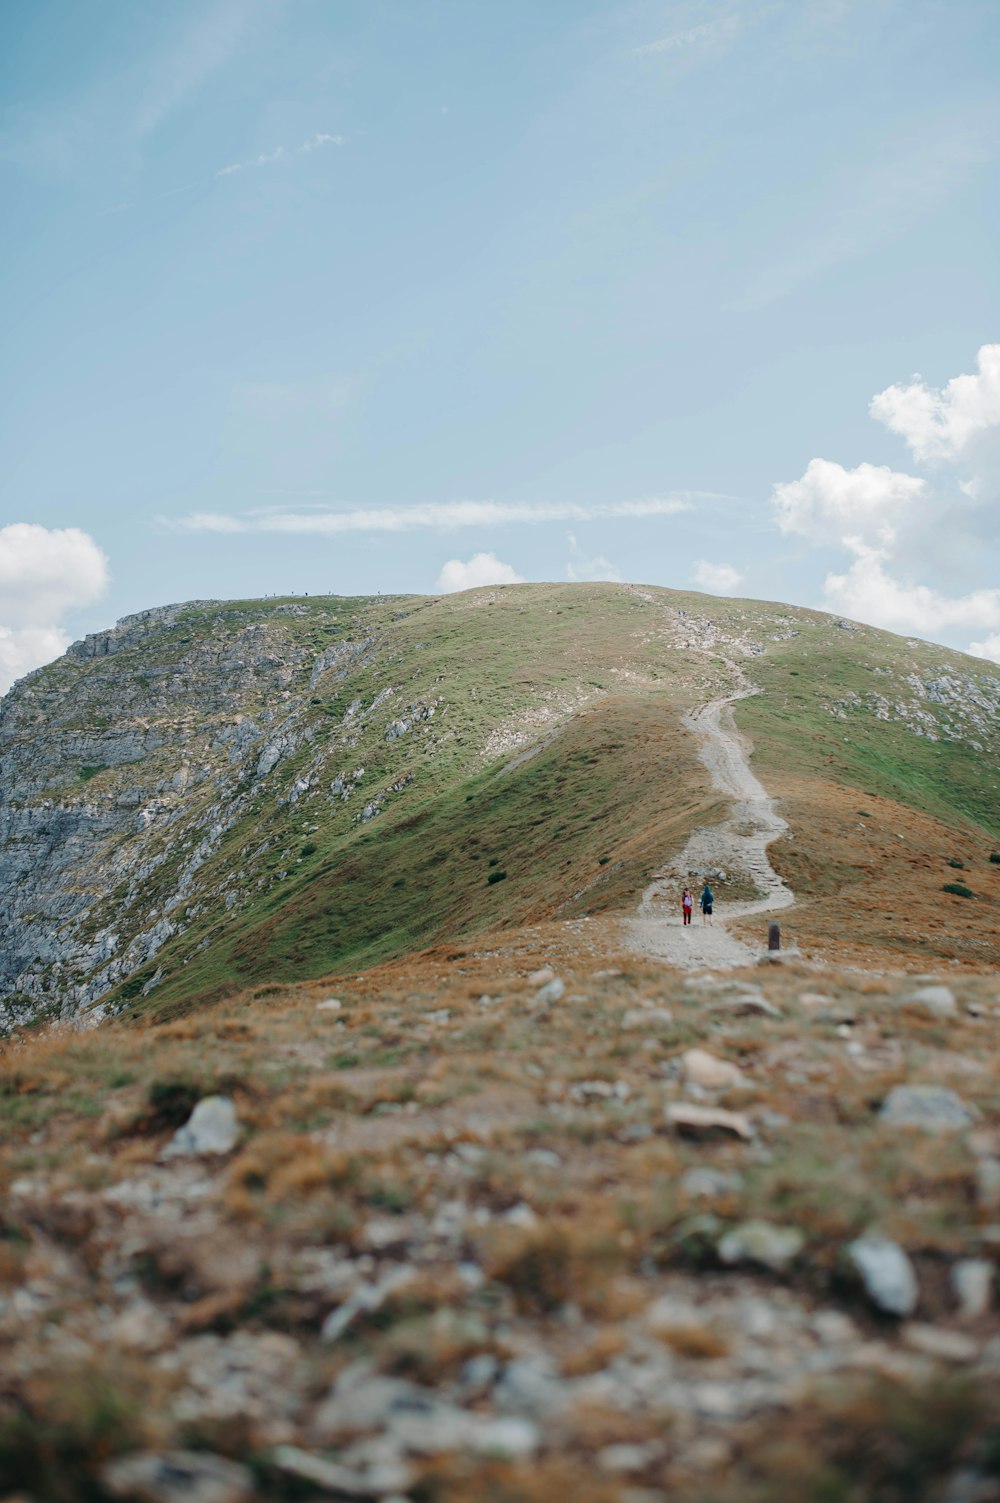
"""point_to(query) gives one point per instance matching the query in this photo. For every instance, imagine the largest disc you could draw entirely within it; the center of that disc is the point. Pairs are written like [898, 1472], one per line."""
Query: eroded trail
[736, 846]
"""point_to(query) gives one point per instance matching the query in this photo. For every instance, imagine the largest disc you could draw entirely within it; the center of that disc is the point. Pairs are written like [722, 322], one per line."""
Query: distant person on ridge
[707, 904]
[687, 903]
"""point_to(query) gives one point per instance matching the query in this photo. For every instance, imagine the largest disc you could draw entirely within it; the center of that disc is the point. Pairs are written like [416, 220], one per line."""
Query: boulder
[936, 1001]
[761, 1242]
[707, 1122]
[212, 1128]
[551, 991]
[933, 1108]
[703, 1069]
[886, 1273]
[177, 1477]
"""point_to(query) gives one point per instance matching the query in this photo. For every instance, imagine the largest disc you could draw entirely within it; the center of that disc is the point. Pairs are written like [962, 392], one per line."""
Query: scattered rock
[539, 978]
[762, 1242]
[334, 1477]
[930, 1107]
[368, 1298]
[703, 1069]
[178, 1477]
[707, 1184]
[212, 1128]
[936, 1001]
[332, 1004]
[551, 991]
[988, 1183]
[419, 1421]
[707, 1122]
[886, 1273]
[972, 1281]
[937, 1342]
[646, 1017]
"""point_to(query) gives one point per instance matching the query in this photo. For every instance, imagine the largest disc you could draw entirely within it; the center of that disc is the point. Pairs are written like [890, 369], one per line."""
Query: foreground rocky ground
[520, 1222]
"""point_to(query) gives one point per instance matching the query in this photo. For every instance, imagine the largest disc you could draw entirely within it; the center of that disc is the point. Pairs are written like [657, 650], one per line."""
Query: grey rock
[334, 1477]
[419, 1420]
[933, 1108]
[178, 1477]
[212, 1128]
[972, 1280]
[708, 1184]
[886, 1273]
[761, 1242]
[937, 1001]
[551, 991]
[988, 1183]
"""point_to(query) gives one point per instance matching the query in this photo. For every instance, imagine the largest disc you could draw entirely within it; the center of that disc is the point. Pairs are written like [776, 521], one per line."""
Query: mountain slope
[217, 793]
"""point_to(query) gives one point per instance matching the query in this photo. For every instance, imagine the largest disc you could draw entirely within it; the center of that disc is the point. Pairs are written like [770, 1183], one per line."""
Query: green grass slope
[369, 777]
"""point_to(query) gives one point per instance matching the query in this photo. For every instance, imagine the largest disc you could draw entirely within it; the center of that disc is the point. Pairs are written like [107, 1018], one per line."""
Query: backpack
[708, 896]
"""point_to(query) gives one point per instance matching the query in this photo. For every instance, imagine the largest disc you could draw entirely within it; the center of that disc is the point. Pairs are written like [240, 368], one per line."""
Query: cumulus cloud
[717, 579]
[481, 569]
[868, 592]
[44, 572]
[896, 526]
[590, 570]
[989, 649]
[943, 423]
[443, 514]
[830, 503]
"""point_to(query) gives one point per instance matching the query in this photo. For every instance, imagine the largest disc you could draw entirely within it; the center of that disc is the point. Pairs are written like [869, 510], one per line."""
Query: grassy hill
[284, 788]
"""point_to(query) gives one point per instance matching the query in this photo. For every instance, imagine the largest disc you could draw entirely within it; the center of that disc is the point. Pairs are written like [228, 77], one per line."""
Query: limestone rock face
[126, 765]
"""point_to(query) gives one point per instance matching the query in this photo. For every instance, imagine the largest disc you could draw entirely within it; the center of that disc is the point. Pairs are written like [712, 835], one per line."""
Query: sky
[414, 295]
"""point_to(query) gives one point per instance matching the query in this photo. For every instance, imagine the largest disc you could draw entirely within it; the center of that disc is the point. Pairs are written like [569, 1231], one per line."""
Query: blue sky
[313, 296]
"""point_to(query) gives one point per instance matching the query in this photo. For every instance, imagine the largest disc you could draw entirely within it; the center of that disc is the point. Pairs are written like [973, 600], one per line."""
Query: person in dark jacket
[707, 904]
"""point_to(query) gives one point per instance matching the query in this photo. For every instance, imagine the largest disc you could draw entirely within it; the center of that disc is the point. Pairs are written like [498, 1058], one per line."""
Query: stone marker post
[774, 936]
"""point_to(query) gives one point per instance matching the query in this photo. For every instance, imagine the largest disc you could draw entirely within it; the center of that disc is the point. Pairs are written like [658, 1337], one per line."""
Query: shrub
[995, 857]
[496, 877]
[309, 849]
[959, 889]
[958, 865]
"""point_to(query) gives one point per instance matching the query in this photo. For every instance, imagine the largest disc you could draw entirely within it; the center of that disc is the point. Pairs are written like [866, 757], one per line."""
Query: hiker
[707, 904]
[687, 903]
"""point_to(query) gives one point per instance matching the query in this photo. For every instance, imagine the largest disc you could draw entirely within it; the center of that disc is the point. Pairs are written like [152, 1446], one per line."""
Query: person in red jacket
[687, 903]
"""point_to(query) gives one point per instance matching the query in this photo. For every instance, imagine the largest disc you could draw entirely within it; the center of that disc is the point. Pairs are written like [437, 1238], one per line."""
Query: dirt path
[737, 845]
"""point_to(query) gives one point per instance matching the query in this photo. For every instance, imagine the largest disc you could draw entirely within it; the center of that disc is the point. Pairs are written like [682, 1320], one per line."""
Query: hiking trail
[738, 844]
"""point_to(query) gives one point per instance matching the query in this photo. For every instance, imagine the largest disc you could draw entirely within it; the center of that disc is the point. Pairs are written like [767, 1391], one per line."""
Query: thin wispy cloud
[691, 36]
[194, 55]
[439, 514]
[281, 154]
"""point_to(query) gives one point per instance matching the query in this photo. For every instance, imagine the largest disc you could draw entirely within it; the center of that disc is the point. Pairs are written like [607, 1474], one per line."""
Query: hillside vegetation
[220, 793]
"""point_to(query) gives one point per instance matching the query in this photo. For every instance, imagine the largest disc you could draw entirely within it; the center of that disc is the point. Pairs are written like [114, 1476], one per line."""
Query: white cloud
[690, 36]
[44, 572]
[280, 154]
[593, 569]
[443, 514]
[867, 592]
[942, 424]
[830, 502]
[718, 579]
[481, 569]
[989, 649]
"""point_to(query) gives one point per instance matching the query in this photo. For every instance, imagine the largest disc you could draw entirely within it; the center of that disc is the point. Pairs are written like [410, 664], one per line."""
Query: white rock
[551, 991]
[178, 1477]
[703, 1069]
[707, 1122]
[762, 1242]
[938, 1001]
[886, 1272]
[333, 1477]
[933, 1108]
[332, 1004]
[539, 978]
[212, 1128]
[972, 1281]
[937, 1342]
[646, 1017]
